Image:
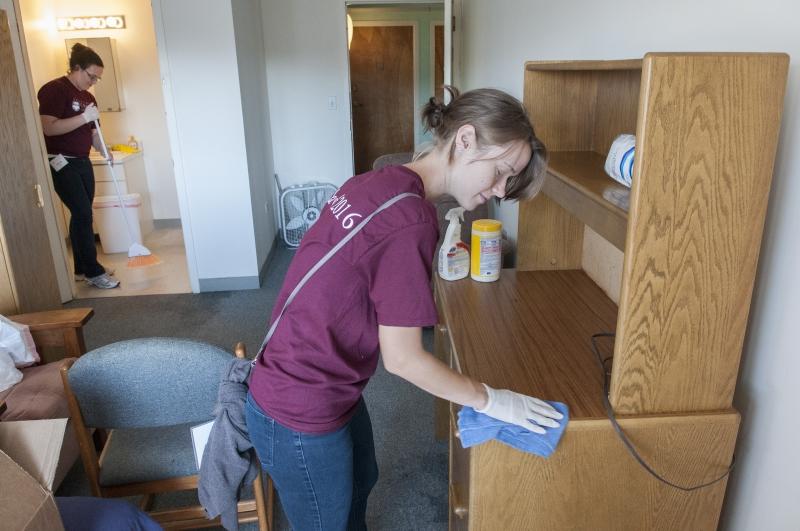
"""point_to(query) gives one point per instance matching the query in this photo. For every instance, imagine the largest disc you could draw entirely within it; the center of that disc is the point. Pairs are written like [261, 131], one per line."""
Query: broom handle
[114, 180]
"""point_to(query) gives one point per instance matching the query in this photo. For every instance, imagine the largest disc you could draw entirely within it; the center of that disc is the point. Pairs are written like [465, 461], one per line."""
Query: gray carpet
[412, 489]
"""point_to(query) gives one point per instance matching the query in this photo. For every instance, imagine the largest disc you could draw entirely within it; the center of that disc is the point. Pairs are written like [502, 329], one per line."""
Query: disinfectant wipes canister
[454, 254]
[486, 250]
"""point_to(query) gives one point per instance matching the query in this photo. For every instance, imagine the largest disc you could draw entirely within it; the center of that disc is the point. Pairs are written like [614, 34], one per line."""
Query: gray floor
[412, 490]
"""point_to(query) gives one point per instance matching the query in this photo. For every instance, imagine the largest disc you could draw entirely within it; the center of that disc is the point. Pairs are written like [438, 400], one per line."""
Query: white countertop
[120, 157]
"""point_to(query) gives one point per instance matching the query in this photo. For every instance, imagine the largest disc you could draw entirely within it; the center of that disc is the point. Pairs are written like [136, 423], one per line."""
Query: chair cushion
[148, 454]
[40, 395]
[148, 382]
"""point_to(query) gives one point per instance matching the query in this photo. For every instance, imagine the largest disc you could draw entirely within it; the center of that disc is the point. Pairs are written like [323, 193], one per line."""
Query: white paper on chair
[200, 434]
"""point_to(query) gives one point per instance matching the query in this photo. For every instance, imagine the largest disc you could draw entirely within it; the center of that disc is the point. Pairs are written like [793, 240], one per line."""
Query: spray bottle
[454, 254]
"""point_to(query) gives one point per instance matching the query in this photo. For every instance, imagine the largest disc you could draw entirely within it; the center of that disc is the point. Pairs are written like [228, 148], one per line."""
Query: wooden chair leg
[270, 501]
[263, 509]
[146, 502]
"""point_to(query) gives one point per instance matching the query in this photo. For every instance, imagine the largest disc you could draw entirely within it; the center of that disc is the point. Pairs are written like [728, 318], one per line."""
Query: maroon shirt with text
[325, 349]
[60, 98]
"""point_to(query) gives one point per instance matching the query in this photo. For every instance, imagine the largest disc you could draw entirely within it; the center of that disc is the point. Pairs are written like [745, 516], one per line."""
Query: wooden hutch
[690, 228]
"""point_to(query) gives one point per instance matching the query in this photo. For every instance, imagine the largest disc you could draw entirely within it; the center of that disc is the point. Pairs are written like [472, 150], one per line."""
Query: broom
[138, 254]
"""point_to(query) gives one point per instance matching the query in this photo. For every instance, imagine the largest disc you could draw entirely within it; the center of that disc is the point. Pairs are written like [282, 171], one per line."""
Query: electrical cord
[624, 438]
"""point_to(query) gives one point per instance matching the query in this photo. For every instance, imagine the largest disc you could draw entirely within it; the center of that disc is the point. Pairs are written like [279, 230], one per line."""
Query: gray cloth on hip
[229, 459]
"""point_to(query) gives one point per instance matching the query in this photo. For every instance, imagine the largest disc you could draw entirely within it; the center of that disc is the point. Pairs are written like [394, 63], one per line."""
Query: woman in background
[68, 111]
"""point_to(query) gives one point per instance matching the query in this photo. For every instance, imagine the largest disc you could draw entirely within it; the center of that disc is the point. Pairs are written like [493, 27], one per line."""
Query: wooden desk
[706, 127]
[530, 332]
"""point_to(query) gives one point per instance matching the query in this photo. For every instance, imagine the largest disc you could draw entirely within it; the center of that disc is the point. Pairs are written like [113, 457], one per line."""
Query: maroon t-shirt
[325, 348]
[61, 99]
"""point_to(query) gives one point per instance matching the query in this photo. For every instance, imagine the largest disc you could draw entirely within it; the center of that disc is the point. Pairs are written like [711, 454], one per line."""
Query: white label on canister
[490, 256]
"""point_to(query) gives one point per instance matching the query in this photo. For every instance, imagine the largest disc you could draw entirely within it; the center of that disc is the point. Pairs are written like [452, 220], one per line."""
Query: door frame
[449, 52]
[415, 65]
[432, 44]
[51, 208]
[173, 133]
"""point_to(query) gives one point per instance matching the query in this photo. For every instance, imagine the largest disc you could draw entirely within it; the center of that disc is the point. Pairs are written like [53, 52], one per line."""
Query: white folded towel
[619, 163]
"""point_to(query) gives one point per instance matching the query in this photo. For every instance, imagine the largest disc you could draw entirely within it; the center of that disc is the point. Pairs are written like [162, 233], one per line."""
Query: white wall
[202, 77]
[141, 84]
[306, 43]
[499, 36]
[251, 59]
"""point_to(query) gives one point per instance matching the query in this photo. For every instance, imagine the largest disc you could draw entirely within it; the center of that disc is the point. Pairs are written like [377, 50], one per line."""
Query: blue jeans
[323, 480]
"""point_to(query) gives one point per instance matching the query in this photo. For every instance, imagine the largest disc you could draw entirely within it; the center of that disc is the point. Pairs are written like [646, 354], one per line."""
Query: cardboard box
[29, 452]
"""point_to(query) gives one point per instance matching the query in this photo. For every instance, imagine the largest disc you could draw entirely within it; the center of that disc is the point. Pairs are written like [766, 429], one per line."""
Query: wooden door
[382, 86]
[28, 258]
[438, 61]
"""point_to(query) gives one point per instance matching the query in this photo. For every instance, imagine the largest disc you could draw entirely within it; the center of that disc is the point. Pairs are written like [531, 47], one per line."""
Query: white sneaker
[81, 276]
[104, 281]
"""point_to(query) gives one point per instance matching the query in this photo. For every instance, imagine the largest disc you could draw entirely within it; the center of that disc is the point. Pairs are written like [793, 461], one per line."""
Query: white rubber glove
[525, 411]
[90, 113]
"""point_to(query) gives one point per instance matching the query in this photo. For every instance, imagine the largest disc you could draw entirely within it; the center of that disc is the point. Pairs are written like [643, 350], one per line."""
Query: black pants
[74, 184]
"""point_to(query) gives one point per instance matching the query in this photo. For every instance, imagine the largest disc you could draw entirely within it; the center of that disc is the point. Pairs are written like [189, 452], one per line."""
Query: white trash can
[111, 225]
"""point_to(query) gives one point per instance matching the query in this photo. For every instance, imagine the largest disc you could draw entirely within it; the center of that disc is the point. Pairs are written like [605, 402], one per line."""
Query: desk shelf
[531, 332]
[577, 181]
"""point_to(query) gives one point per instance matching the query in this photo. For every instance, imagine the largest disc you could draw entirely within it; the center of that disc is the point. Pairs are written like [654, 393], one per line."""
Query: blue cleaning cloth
[475, 428]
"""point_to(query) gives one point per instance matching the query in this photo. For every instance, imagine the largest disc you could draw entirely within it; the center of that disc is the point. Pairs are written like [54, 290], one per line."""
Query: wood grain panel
[591, 482]
[382, 85]
[459, 484]
[441, 349]
[617, 107]
[620, 64]
[706, 142]
[530, 332]
[562, 107]
[25, 233]
[549, 237]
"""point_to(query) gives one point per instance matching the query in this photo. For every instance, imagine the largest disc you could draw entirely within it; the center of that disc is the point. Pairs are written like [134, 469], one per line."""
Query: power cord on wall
[624, 438]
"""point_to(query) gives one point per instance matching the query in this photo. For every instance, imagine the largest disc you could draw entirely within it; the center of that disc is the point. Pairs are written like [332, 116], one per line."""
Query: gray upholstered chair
[148, 392]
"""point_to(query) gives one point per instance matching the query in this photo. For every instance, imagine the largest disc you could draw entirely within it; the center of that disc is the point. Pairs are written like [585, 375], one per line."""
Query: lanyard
[322, 261]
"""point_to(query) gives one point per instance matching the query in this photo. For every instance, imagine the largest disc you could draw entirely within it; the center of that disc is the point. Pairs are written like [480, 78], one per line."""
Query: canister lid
[487, 225]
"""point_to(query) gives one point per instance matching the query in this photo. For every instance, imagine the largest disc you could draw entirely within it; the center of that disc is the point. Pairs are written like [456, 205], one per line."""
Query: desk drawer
[459, 477]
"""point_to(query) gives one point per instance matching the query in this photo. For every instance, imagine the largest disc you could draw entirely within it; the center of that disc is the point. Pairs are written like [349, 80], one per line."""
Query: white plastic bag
[16, 339]
[9, 375]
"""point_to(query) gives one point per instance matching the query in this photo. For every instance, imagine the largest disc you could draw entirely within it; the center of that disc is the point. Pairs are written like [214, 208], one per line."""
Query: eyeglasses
[92, 77]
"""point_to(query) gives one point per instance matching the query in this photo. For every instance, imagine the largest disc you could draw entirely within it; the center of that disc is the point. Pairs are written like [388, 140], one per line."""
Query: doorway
[132, 119]
[393, 51]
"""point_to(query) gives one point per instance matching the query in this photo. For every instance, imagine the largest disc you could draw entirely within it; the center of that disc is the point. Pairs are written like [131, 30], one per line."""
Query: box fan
[300, 207]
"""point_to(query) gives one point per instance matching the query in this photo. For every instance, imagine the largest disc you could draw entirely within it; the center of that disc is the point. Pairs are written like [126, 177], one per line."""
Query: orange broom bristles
[143, 261]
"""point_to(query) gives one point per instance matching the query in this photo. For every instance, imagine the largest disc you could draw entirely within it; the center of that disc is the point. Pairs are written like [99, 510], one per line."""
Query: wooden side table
[57, 328]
